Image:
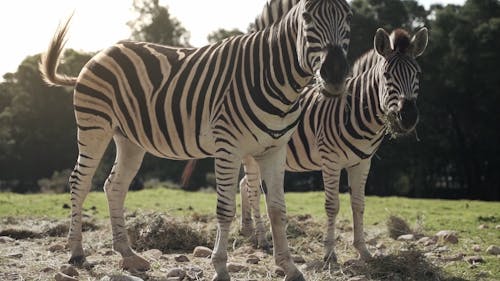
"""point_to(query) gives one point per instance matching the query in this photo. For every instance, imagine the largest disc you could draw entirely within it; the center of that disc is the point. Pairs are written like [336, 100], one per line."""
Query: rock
[6, 239]
[279, 271]
[253, 259]
[358, 278]
[177, 272]
[493, 250]
[181, 258]
[448, 236]
[63, 277]
[474, 259]
[194, 272]
[483, 226]
[476, 248]
[298, 259]
[236, 267]
[56, 248]
[427, 241]
[69, 270]
[406, 237]
[47, 269]
[380, 245]
[497, 227]
[153, 253]
[202, 252]
[456, 257]
[121, 278]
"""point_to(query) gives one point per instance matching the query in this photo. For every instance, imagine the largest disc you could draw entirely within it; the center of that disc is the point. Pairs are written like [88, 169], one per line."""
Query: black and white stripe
[344, 133]
[236, 100]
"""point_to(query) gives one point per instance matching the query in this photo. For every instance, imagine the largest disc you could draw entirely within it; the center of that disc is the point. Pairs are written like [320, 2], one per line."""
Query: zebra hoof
[330, 258]
[226, 278]
[77, 261]
[135, 263]
[298, 277]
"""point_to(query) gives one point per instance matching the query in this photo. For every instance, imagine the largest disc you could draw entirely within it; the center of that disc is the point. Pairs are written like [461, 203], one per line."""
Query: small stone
[358, 278]
[194, 272]
[56, 248]
[298, 259]
[177, 272]
[483, 226]
[181, 258]
[279, 271]
[476, 248]
[253, 259]
[15, 255]
[448, 236]
[380, 245]
[474, 259]
[427, 241]
[47, 269]
[236, 267]
[63, 277]
[69, 270]
[442, 249]
[456, 257]
[6, 239]
[202, 252]
[406, 237]
[153, 253]
[497, 227]
[493, 250]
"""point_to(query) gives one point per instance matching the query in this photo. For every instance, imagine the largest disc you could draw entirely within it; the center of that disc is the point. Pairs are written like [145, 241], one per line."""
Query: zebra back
[365, 62]
[272, 12]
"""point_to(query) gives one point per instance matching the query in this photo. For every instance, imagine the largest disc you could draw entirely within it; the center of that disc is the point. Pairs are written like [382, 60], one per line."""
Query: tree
[155, 24]
[222, 34]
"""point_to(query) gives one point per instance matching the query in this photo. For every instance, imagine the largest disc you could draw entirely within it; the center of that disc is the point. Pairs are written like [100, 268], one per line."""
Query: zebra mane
[365, 62]
[272, 12]
[400, 40]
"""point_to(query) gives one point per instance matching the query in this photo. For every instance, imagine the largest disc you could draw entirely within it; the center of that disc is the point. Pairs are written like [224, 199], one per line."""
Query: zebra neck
[364, 103]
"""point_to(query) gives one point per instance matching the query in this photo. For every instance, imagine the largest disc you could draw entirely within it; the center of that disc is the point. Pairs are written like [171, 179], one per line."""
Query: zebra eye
[307, 17]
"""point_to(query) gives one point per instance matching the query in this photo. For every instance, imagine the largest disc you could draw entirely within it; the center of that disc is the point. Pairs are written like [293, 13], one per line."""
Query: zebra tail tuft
[188, 172]
[49, 61]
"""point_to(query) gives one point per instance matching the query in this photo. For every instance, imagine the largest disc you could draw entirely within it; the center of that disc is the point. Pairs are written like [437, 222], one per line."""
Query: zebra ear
[382, 42]
[419, 42]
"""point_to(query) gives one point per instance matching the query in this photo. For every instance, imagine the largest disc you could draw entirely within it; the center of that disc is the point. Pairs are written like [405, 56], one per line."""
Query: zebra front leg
[357, 180]
[250, 196]
[227, 168]
[91, 148]
[128, 161]
[272, 167]
[331, 178]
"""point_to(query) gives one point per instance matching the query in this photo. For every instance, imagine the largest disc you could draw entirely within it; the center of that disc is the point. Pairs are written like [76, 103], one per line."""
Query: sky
[28, 25]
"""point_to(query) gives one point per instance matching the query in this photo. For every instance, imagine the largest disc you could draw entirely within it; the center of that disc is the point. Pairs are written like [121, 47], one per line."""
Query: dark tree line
[455, 153]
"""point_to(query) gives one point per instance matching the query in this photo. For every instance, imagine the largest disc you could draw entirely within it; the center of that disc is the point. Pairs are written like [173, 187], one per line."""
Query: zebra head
[399, 77]
[323, 42]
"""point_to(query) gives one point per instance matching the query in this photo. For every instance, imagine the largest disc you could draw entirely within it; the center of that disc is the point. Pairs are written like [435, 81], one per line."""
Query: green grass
[463, 216]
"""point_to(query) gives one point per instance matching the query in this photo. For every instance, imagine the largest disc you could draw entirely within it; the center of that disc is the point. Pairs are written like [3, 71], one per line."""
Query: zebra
[233, 100]
[272, 12]
[345, 132]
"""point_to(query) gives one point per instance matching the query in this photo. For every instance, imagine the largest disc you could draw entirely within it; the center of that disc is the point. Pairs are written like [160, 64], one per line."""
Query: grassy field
[429, 216]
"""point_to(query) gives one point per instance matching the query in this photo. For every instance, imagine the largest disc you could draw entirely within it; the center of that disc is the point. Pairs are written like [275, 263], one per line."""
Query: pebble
[56, 248]
[253, 259]
[63, 277]
[497, 227]
[298, 259]
[236, 267]
[493, 250]
[181, 258]
[121, 278]
[448, 236]
[177, 272]
[456, 257]
[406, 237]
[47, 269]
[69, 270]
[483, 226]
[476, 248]
[202, 252]
[358, 278]
[194, 272]
[153, 253]
[6, 239]
[426, 241]
[474, 259]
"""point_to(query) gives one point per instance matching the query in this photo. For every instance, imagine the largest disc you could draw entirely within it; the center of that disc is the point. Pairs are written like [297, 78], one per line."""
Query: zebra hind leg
[91, 147]
[128, 161]
[247, 228]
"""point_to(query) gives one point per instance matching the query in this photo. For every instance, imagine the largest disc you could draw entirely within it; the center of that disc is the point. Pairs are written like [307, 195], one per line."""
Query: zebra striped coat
[344, 133]
[234, 100]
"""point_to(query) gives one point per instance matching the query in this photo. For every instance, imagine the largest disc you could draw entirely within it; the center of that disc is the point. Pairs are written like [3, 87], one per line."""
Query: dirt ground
[36, 249]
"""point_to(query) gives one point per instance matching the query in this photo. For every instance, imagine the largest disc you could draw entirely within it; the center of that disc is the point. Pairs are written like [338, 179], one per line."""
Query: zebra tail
[49, 61]
[188, 172]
